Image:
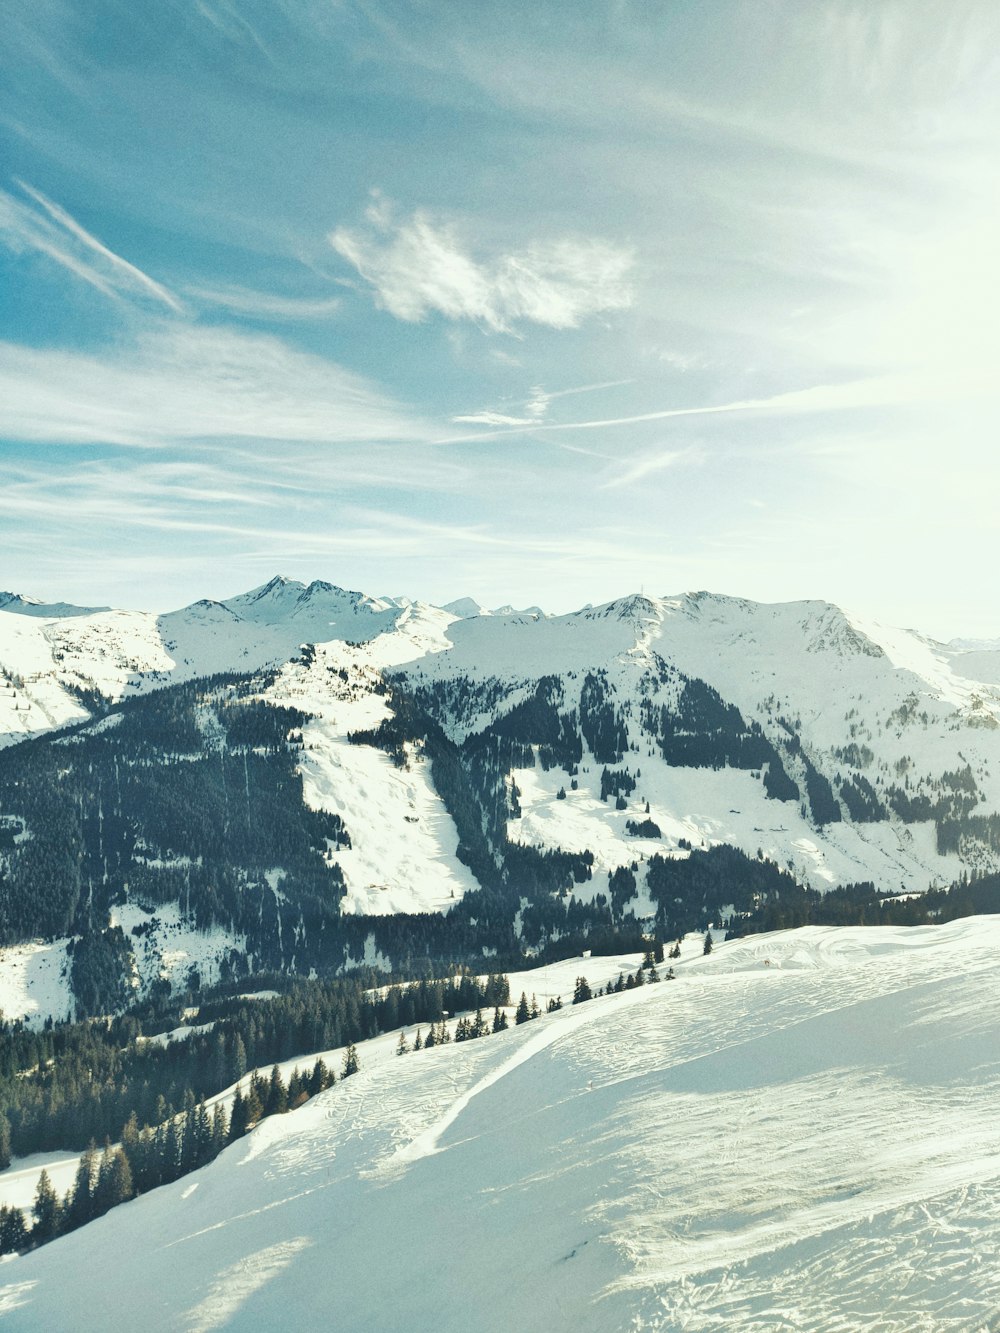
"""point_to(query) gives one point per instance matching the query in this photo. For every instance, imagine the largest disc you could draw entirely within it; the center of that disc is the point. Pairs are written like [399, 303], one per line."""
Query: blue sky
[533, 303]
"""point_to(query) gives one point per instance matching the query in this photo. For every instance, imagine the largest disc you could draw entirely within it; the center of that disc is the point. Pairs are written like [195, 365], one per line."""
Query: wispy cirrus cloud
[534, 408]
[649, 464]
[418, 265]
[179, 382]
[265, 305]
[37, 224]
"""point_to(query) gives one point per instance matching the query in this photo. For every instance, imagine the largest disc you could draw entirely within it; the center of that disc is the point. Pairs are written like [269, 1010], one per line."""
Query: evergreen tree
[351, 1062]
[297, 1092]
[319, 1079]
[46, 1211]
[4, 1143]
[13, 1230]
[276, 1101]
[256, 1093]
[220, 1128]
[707, 946]
[499, 1020]
[534, 1011]
[79, 1208]
[522, 1014]
[581, 991]
[238, 1119]
[114, 1181]
[418, 1041]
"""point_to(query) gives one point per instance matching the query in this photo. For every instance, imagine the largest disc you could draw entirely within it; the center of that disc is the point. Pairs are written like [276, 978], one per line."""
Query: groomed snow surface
[799, 1132]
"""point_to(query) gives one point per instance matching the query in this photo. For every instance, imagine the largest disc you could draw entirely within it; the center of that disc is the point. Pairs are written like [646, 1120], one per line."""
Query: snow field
[34, 982]
[402, 856]
[810, 1145]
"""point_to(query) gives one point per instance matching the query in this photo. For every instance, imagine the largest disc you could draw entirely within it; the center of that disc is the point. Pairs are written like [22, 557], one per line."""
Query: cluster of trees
[601, 723]
[148, 1158]
[863, 905]
[691, 893]
[861, 799]
[63, 1086]
[647, 972]
[466, 1029]
[700, 730]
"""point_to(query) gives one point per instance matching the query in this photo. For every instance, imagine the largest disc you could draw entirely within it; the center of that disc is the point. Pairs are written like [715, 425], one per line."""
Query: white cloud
[651, 463]
[535, 406]
[418, 266]
[495, 419]
[266, 305]
[51, 231]
[180, 383]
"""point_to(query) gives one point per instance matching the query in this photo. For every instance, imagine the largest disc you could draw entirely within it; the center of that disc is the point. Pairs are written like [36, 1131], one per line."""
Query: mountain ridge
[648, 763]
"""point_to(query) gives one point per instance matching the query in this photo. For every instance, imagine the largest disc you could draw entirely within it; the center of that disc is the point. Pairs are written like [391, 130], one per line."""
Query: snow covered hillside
[799, 1132]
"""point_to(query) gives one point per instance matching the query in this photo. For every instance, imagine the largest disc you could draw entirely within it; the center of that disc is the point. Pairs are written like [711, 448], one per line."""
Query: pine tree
[13, 1230]
[276, 1101]
[114, 1181]
[319, 1079]
[581, 991]
[402, 1046]
[351, 1062]
[220, 1128]
[707, 946]
[297, 1093]
[534, 1011]
[522, 1014]
[238, 1118]
[499, 1020]
[4, 1143]
[418, 1041]
[46, 1211]
[80, 1204]
[256, 1093]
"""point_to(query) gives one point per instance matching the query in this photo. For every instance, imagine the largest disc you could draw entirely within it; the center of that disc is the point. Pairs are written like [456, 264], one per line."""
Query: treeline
[794, 905]
[61, 1087]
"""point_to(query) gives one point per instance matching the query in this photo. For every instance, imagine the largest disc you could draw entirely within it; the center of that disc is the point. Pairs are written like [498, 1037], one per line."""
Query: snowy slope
[797, 1133]
[403, 842]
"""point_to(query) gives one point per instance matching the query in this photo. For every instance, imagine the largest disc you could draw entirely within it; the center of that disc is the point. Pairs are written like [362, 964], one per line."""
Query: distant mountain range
[303, 777]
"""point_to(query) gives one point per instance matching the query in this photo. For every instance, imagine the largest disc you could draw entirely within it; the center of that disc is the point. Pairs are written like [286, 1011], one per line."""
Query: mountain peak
[18, 604]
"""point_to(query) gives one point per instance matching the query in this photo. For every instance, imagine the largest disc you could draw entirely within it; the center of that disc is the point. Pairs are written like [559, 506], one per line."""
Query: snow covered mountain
[798, 1132]
[522, 776]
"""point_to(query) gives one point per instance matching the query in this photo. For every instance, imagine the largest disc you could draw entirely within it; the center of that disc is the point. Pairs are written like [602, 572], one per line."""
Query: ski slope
[798, 1133]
